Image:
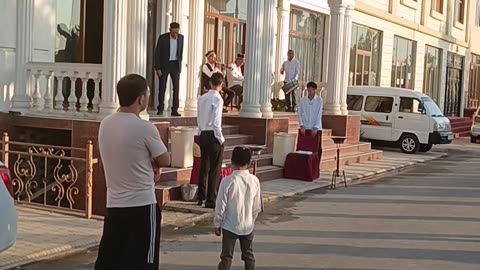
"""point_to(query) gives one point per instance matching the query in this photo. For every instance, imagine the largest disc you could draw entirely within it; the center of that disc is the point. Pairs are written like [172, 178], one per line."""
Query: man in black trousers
[168, 61]
[209, 119]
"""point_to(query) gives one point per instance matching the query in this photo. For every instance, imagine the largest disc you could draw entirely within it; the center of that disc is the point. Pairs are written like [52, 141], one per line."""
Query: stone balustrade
[69, 89]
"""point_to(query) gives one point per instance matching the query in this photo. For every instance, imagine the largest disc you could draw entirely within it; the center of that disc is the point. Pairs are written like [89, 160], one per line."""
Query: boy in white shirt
[237, 207]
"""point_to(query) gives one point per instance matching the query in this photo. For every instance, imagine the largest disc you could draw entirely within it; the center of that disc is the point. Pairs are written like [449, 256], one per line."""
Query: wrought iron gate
[453, 91]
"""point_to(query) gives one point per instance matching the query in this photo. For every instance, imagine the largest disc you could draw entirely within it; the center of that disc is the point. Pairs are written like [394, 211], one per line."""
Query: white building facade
[50, 47]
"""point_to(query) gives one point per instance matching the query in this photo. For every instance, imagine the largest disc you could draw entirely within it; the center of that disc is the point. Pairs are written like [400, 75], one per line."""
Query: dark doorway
[453, 88]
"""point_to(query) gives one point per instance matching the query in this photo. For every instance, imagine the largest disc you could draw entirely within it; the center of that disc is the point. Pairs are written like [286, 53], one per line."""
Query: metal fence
[51, 176]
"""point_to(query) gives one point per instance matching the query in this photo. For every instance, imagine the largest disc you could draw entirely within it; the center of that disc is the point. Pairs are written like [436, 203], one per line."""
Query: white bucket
[189, 192]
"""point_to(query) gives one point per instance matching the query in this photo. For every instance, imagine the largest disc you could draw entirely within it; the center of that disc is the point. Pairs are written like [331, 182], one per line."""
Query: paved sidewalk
[43, 235]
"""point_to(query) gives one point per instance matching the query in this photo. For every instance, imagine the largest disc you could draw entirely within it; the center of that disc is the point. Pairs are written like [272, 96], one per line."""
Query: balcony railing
[70, 89]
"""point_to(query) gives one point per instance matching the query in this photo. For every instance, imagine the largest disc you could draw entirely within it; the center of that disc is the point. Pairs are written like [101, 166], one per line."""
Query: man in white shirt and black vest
[238, 205]
[291, 70]
[310, 110]
[209, 119]
[235, 77]
[211, 67]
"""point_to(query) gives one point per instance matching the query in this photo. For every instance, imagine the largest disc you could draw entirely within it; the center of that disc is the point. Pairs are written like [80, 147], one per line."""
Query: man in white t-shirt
[132, 154]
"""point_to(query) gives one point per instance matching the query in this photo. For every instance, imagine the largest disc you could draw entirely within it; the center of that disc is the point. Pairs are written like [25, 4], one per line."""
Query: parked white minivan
[406, 117]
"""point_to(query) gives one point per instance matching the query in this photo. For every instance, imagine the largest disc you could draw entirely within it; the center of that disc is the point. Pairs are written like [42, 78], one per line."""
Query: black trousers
[173, 70]
[211, 152]
[228, 246]
[290, 100]
[131, 239]
[229, 94]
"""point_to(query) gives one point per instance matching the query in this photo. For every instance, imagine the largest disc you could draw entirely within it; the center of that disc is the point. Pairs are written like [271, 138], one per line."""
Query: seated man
[211, 67]
[235, 77]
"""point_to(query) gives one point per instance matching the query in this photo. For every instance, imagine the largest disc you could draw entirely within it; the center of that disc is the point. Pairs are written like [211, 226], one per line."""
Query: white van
[403, 116]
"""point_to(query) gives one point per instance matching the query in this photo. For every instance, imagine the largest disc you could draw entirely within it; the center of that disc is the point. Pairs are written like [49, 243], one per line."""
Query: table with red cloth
[302, 166]
[225, 171]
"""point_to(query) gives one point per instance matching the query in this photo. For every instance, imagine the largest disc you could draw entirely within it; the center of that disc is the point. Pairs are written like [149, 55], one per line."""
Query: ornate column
[114, 52]
[137, 37]
[254, 56]
[336, 65]
[336, 115]
[283, 26]
[21, 100]
[347, 40]
[194, 54]
[268, 39]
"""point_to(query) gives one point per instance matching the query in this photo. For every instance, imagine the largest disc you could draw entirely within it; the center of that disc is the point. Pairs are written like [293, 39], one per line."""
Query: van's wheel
[425, 147]
[473, 139]
[409, 144]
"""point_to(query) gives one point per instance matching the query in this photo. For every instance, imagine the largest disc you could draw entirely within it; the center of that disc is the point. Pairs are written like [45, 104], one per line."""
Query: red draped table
[304, 166]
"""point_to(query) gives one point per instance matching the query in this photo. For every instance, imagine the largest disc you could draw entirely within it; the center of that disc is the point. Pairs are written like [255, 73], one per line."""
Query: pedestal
[344, 126]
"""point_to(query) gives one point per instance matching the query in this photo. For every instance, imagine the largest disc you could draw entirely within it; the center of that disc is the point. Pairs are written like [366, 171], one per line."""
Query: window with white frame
[403, 63]
[431, 75]
[437, 5]
[477, 14]
[460, 11]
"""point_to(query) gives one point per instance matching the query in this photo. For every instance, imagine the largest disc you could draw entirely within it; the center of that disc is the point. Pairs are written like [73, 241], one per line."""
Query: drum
[290, 86]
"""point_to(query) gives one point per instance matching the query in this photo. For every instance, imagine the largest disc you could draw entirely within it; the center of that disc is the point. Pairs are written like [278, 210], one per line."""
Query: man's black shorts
[131, 239]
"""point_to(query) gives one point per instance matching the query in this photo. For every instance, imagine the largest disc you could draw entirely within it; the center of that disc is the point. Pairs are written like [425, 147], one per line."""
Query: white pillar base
[266, 110]
[191, 105]
[250, 111]
[21, 104]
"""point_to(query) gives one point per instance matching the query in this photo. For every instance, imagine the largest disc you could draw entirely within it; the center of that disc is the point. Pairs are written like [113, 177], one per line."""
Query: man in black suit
[168, 61]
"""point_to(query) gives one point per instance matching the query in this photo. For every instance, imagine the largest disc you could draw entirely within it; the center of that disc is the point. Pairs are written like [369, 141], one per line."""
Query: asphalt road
[426, 217]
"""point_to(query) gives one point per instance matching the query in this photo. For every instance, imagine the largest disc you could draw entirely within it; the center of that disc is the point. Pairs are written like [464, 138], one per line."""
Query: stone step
[462, 134]
[346, 149]
[328, 164]
[183, 174]
[171, 190]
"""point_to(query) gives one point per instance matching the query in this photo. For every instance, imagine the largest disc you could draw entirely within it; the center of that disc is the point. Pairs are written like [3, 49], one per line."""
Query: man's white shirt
[173, 49]
[310, 113]
[213, 70]
[291, 70]
[236, 77]
[209, 114]
[238, 203]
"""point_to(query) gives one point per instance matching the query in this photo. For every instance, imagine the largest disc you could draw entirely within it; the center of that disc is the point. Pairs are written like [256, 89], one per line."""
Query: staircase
[168, 188]
[460, 126]
[349, 153]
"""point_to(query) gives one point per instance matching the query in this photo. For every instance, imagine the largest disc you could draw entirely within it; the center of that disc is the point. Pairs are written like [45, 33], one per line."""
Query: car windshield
[431, 107]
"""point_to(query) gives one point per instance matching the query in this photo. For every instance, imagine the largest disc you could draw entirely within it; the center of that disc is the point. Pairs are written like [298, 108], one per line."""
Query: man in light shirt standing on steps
[238, 205]
[209, 120]
[291, 70]
[310, 111]
[132, 154]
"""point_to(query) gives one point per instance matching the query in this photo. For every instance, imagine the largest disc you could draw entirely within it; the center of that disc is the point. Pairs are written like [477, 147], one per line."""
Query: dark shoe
[225, 111]
[199, 202]
[176, 114]
[160, 113]
[210, 205]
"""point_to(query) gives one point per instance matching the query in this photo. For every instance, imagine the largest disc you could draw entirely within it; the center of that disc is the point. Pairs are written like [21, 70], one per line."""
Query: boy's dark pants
[228, 246]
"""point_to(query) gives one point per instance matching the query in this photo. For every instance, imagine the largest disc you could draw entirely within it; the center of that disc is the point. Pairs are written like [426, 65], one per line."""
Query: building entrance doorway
[453, 91]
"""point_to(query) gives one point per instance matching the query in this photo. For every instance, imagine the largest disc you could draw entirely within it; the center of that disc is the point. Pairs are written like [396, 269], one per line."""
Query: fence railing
[65, 88]
[50, 175]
